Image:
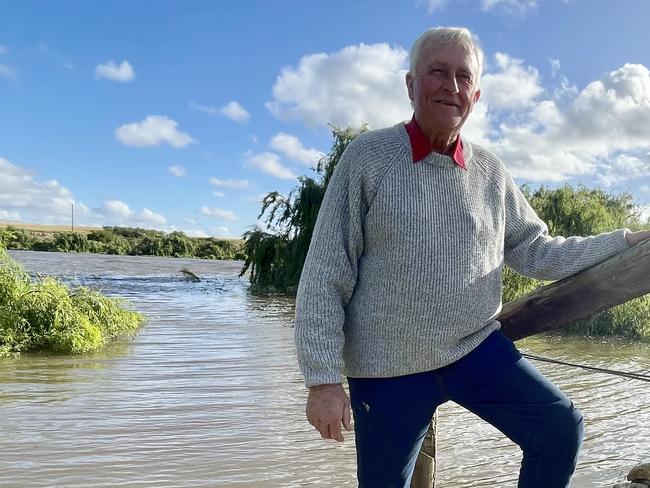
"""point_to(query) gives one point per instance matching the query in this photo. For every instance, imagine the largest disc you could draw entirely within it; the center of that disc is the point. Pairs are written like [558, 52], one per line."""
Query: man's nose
[452, 85]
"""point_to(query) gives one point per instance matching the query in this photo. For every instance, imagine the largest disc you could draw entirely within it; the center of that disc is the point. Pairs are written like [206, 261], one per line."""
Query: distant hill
[46, 228]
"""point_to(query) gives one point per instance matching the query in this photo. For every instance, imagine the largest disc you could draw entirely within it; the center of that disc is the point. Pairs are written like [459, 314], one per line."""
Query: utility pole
[72, 215]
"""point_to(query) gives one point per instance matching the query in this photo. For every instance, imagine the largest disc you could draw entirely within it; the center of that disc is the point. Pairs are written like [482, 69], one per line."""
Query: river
[208, 394]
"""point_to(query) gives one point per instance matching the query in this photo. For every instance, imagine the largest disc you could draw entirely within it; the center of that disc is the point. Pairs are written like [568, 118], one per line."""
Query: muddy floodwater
[208, 394]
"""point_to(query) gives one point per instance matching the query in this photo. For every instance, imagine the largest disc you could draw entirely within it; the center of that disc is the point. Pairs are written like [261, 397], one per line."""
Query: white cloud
[222, 232]
[477, 128]
[21, 197]
[212, 111]
[116, 212]
[25, 199]
[235, 184]
[270, 164]
[112, 71]
[153, 131]
[518, 8]
[219, 213]
[8, 215]
[218, 194]
[622, 168]
[513, 7]
[177, 170]
[596, 133]
[434, 5]
[513, 86]
[196, 233]
[555, 66]
[292, 148]
[7, 71]
[235, 112]
[361, 83]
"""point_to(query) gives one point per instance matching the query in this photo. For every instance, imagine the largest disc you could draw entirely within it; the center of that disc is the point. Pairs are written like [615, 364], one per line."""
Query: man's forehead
[448, 52]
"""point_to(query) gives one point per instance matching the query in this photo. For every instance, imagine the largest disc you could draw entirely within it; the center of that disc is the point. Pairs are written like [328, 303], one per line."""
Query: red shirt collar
[422, 147]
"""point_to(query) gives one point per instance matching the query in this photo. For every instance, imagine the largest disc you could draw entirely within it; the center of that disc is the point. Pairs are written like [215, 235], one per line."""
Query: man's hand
[327, 407]
[634, 238]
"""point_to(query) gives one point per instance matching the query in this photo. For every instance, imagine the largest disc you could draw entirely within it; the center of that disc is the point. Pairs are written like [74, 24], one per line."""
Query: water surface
[208, 394]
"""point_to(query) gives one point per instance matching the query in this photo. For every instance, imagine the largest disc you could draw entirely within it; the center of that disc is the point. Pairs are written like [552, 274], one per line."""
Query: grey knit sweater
[403, 274]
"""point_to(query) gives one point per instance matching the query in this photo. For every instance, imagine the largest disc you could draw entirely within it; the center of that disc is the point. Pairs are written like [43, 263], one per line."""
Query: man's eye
[438, 71]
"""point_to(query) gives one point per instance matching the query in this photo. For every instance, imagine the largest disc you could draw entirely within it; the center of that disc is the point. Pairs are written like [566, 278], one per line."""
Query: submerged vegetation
[46, 315]
[276, 257]
[123, 241]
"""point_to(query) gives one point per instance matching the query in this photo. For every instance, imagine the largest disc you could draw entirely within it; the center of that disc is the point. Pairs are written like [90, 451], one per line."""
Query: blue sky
[182, 115]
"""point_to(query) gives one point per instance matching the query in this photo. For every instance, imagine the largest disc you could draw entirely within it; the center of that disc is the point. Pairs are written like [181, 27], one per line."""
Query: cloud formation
[512, 7]
[222, 232]
[120, 213]
[110, 70]
[177, 170]
[358, 84]
[219, 213]
[270, 164]
[293, 149]
[235, 184]
[517, 8]
[23, 198]
[153, 131]
[235, 112]
[513, 87]
[597, 133]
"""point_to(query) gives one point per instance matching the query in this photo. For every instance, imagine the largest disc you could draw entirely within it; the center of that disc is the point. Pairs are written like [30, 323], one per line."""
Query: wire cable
[624, 374]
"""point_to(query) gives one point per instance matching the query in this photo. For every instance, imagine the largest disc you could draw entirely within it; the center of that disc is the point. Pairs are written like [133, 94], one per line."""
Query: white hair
[459, 36]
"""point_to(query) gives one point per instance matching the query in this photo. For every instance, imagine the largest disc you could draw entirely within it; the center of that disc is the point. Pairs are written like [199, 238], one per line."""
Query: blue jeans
[391, 415]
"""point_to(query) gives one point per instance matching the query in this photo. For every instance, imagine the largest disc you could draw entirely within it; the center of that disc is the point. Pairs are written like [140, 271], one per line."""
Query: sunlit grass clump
[47, 315]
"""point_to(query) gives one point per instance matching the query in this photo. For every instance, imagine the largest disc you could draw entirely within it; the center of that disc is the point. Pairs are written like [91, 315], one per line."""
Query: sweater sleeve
[530, 251]
[330, 272]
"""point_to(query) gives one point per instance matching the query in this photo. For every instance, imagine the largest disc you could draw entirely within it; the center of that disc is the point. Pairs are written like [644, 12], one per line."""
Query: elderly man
[402, 285]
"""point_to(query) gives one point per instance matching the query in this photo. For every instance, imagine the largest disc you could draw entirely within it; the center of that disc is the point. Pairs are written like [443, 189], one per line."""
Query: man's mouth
[446, 102]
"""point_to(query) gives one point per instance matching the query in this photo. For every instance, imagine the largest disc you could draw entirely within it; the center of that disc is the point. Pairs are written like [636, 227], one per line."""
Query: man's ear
[409, 85]
[477, 95]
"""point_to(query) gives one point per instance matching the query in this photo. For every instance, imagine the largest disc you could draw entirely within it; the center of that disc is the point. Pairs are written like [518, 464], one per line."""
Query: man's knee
[560, 434]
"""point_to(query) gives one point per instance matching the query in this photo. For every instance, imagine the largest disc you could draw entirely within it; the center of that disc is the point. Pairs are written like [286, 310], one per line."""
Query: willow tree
[275, 257]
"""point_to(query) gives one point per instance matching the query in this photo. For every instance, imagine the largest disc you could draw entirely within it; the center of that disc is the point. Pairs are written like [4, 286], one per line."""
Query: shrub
[47, 315]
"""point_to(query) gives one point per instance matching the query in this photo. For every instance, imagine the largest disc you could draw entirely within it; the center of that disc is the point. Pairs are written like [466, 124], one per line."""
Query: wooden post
[424, 475]
[612, 282]
[616, 280]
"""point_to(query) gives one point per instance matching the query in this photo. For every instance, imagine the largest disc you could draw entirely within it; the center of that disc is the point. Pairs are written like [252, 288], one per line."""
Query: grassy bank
[46, 315]
[117, 240]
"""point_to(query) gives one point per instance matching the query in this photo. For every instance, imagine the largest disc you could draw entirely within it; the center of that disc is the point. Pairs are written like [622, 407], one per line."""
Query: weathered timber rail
[612, 282]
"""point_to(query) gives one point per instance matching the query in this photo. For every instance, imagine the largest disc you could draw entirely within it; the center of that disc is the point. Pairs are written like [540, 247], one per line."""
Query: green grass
[47, 315]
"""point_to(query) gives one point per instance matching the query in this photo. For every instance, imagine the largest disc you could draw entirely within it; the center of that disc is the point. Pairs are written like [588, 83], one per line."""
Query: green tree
[275, 258]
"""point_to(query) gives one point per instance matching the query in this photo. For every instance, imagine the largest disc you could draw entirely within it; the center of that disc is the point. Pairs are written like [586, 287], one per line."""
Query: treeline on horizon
[123, 241]
[275, 259]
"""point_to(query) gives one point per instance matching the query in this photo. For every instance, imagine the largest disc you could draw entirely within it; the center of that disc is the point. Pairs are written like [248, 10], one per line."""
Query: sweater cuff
[624, 244]
[315, 378]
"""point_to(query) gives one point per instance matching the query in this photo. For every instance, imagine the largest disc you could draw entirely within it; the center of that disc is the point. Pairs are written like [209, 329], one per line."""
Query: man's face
[444, 88]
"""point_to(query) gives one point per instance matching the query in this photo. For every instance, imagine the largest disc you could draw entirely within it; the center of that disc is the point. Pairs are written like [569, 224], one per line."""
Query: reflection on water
[208, 394]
